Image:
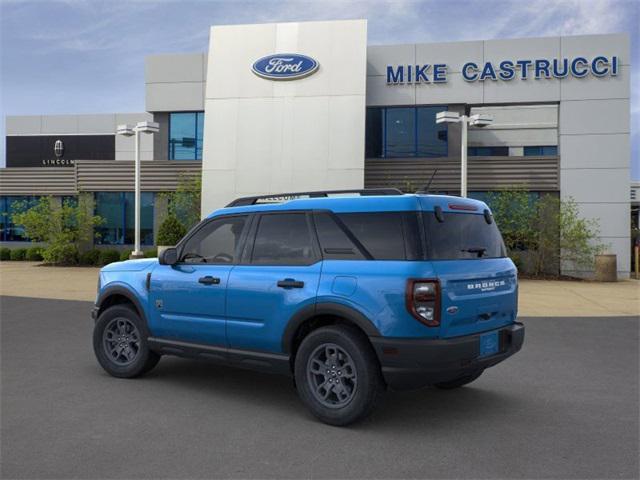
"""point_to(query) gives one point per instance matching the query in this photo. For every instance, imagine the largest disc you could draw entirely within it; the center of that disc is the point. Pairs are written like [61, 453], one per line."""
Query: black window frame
[194, 231]
[246, 258]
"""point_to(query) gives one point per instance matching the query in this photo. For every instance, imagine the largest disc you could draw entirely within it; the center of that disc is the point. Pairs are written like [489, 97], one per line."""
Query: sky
[87, 56]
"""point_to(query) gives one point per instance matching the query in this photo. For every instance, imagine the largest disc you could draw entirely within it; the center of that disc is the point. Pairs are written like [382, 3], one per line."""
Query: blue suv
[350, 293]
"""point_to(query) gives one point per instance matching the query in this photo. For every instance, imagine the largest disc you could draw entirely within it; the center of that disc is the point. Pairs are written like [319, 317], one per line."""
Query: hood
[130, 265]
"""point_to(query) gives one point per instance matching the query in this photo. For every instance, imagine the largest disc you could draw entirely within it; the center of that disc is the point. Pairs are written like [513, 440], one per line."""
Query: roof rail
[283, 197]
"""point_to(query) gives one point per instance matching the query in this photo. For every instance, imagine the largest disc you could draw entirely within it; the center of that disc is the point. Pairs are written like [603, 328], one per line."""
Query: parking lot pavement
[564, 407]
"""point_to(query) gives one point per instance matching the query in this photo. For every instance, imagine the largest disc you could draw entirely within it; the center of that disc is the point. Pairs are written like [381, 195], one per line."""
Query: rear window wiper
[479, 250]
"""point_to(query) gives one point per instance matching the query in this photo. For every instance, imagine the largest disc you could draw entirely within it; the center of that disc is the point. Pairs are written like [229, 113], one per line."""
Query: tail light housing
[423, 300]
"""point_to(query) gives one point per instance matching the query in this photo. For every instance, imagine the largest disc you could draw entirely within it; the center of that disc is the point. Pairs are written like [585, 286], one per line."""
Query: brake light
[423, 301]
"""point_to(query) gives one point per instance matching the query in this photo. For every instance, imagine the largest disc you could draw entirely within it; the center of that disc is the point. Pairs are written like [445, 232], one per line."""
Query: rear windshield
[462, 236]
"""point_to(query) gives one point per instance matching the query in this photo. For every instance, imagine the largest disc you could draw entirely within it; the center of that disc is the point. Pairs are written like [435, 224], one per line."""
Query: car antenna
[425, 189]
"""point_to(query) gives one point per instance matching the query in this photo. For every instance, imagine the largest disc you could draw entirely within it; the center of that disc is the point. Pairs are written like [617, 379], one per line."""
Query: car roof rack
[283, 197]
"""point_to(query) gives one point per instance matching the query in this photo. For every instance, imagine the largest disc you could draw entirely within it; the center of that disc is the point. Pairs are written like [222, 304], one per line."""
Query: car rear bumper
[414, 363]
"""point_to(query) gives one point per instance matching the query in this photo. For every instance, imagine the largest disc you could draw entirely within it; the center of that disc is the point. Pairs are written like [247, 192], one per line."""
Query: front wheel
[337, 375]
[120, 343]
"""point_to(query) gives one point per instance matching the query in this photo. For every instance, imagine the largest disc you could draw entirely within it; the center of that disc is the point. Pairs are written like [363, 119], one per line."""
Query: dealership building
[285, 107]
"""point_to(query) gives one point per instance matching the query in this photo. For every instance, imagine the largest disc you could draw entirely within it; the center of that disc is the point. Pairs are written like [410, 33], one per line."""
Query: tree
[184, 203]
[62, 227]
[171, 231]
[549, 229]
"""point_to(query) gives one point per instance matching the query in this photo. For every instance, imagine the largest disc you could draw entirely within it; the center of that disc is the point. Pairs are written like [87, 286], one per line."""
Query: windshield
[462, 236]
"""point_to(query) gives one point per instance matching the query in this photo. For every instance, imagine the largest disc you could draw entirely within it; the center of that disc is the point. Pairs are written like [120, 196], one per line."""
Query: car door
[188, 299]
[278, 275]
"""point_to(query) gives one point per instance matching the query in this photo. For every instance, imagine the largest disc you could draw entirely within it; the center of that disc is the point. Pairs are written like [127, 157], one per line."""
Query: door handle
[290, 283]
[209, 280]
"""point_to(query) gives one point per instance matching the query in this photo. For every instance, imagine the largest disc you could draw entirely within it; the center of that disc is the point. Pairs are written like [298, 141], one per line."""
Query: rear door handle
[209, 280]
[290, 283]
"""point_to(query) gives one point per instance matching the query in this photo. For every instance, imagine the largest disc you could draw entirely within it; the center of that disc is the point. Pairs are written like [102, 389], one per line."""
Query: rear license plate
[489, 344]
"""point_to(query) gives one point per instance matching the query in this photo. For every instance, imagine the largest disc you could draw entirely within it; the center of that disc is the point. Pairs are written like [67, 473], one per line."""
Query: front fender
[140, 299]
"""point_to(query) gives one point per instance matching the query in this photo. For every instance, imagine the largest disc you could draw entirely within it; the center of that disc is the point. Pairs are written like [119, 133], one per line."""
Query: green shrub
[153, 253]
[90, 257]
[109, 256]
[124, 255]
[18, 254]
[63, 228]
[5, 253]
[34, 254]
[171, 231]
[61, 254]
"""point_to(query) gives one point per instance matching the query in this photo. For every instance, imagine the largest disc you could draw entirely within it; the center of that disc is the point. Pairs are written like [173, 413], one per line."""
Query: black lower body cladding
[414, 363]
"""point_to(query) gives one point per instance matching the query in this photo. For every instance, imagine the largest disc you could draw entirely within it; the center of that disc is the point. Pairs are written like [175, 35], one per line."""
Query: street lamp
[128, 131]
[477, 120]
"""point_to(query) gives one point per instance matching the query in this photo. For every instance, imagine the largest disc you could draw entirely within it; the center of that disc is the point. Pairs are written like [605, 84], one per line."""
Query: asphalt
[564, 407]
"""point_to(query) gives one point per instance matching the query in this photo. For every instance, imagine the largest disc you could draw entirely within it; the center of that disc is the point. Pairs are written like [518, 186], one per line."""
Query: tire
[337, 375]
[459, 382]
[131, 358]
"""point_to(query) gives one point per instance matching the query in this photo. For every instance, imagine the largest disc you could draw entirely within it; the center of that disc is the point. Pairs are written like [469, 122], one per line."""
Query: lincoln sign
[578, 67]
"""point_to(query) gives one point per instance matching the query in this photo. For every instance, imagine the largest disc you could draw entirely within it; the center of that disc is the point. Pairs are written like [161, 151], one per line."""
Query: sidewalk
[538, 298]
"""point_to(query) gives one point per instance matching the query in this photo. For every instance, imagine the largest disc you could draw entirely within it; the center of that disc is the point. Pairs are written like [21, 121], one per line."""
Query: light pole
[128, 131]
[477, 120]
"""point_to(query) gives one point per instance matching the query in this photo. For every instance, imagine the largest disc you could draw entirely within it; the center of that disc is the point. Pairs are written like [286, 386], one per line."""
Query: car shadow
[418, 409]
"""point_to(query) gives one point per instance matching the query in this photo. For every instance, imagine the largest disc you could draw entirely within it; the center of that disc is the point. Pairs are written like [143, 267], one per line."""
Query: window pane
[400, 132]
[216, 242]
[199, 134]
[380, 233]
[146, 217]
[183, 136]
[12, 232]
[109, 206]
[334, 242]
[283, 239]
[550, 150]
[488, 151]
[462, 236]
[373, 133]
[432, 137]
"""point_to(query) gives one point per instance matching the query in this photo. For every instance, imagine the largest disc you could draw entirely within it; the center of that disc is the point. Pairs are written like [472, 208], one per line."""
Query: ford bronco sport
[348, 292]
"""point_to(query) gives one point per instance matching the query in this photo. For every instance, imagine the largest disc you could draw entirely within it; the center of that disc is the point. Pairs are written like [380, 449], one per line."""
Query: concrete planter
[606, 268]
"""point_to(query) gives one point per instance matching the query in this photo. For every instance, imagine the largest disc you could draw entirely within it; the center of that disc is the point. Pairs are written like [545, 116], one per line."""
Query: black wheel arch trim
[125, 292]
[326, 308]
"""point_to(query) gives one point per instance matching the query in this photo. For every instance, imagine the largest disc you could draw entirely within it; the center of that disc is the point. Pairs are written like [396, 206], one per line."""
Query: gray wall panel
[485, 173]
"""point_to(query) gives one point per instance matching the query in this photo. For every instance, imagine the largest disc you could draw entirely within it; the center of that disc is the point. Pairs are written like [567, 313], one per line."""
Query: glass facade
[9, 231]
[185, 135]
[405, 132]
[544, 151]
[117, 211]
[488, 151]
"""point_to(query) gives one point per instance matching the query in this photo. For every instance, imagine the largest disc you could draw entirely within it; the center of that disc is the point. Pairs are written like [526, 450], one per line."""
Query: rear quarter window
[385, 235]
[462, 236]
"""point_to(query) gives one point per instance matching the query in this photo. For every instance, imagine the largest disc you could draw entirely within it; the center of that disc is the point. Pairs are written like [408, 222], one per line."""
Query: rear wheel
[337, 375]
[459, 382]
[120, 343]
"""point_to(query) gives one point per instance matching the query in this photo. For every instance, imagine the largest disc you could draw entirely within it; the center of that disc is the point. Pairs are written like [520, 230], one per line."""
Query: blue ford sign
[285, 66]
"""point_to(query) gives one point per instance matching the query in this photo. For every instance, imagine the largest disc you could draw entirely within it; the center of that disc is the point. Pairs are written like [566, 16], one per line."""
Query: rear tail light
[423, 301]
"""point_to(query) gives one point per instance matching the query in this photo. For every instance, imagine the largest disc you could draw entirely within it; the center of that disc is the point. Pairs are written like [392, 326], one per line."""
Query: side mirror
[169, 256]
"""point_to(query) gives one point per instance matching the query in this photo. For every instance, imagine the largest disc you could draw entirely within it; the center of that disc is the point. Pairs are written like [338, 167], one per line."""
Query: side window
[216, 242]
[334, 242]
[283, 239]
[381, 233]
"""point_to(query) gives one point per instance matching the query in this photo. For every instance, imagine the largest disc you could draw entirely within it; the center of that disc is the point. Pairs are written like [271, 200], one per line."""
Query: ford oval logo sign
[285, 66]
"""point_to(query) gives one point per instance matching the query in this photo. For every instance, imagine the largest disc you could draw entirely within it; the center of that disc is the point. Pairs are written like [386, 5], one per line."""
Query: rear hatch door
[478, 282]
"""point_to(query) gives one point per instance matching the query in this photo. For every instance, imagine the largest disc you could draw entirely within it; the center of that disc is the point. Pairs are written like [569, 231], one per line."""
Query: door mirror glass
[169, 256]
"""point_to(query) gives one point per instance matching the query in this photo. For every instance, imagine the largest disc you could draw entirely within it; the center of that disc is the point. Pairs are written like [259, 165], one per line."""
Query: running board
[250, 359]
